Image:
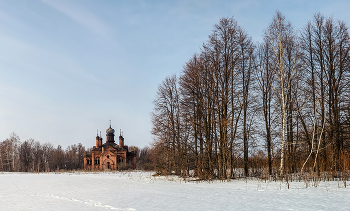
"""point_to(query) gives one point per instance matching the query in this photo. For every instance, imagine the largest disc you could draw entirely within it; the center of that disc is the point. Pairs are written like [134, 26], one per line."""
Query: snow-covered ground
[141, 191]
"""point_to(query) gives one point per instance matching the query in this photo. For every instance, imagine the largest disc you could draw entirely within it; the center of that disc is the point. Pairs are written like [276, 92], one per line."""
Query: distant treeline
[275, 108]
[32, 156]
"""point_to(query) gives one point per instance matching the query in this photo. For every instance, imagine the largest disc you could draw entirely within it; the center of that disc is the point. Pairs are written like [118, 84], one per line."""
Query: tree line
[32, 156]
[273, 108]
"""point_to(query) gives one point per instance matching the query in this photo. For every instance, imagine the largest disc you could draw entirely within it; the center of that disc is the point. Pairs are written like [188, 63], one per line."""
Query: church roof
[110, 130]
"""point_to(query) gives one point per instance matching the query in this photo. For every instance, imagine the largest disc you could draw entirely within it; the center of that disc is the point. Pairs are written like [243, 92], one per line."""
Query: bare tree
[265, 76]
[285, 58]
[26, 155]
[166, 121]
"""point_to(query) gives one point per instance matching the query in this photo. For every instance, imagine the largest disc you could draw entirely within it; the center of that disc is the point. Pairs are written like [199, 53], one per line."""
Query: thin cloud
[81, 16]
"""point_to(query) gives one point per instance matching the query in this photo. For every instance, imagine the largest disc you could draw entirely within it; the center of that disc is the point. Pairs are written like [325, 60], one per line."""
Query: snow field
[141, 191]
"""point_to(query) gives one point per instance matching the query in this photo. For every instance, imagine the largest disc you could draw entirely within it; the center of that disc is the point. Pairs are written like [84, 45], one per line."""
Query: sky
[68, 67]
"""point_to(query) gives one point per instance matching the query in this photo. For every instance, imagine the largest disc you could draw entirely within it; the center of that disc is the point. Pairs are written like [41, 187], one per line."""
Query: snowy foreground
[141, 191]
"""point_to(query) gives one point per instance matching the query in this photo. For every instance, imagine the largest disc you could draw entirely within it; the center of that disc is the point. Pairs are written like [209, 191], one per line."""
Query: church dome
[110, 130]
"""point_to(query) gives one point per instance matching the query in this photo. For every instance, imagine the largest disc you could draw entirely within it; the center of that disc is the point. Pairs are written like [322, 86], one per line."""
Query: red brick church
[110, 155]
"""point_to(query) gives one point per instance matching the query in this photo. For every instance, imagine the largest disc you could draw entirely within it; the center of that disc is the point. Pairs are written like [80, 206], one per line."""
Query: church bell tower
[110, 134]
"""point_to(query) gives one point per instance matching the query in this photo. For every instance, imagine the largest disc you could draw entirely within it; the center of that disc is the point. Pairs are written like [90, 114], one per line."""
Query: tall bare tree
[166, 121]
[285, 60]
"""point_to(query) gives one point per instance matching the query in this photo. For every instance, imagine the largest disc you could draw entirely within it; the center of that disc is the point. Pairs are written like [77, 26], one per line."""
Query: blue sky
[68, 67]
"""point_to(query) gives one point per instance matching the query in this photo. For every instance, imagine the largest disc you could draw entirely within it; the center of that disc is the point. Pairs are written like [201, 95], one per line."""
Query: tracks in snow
[91, 203]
